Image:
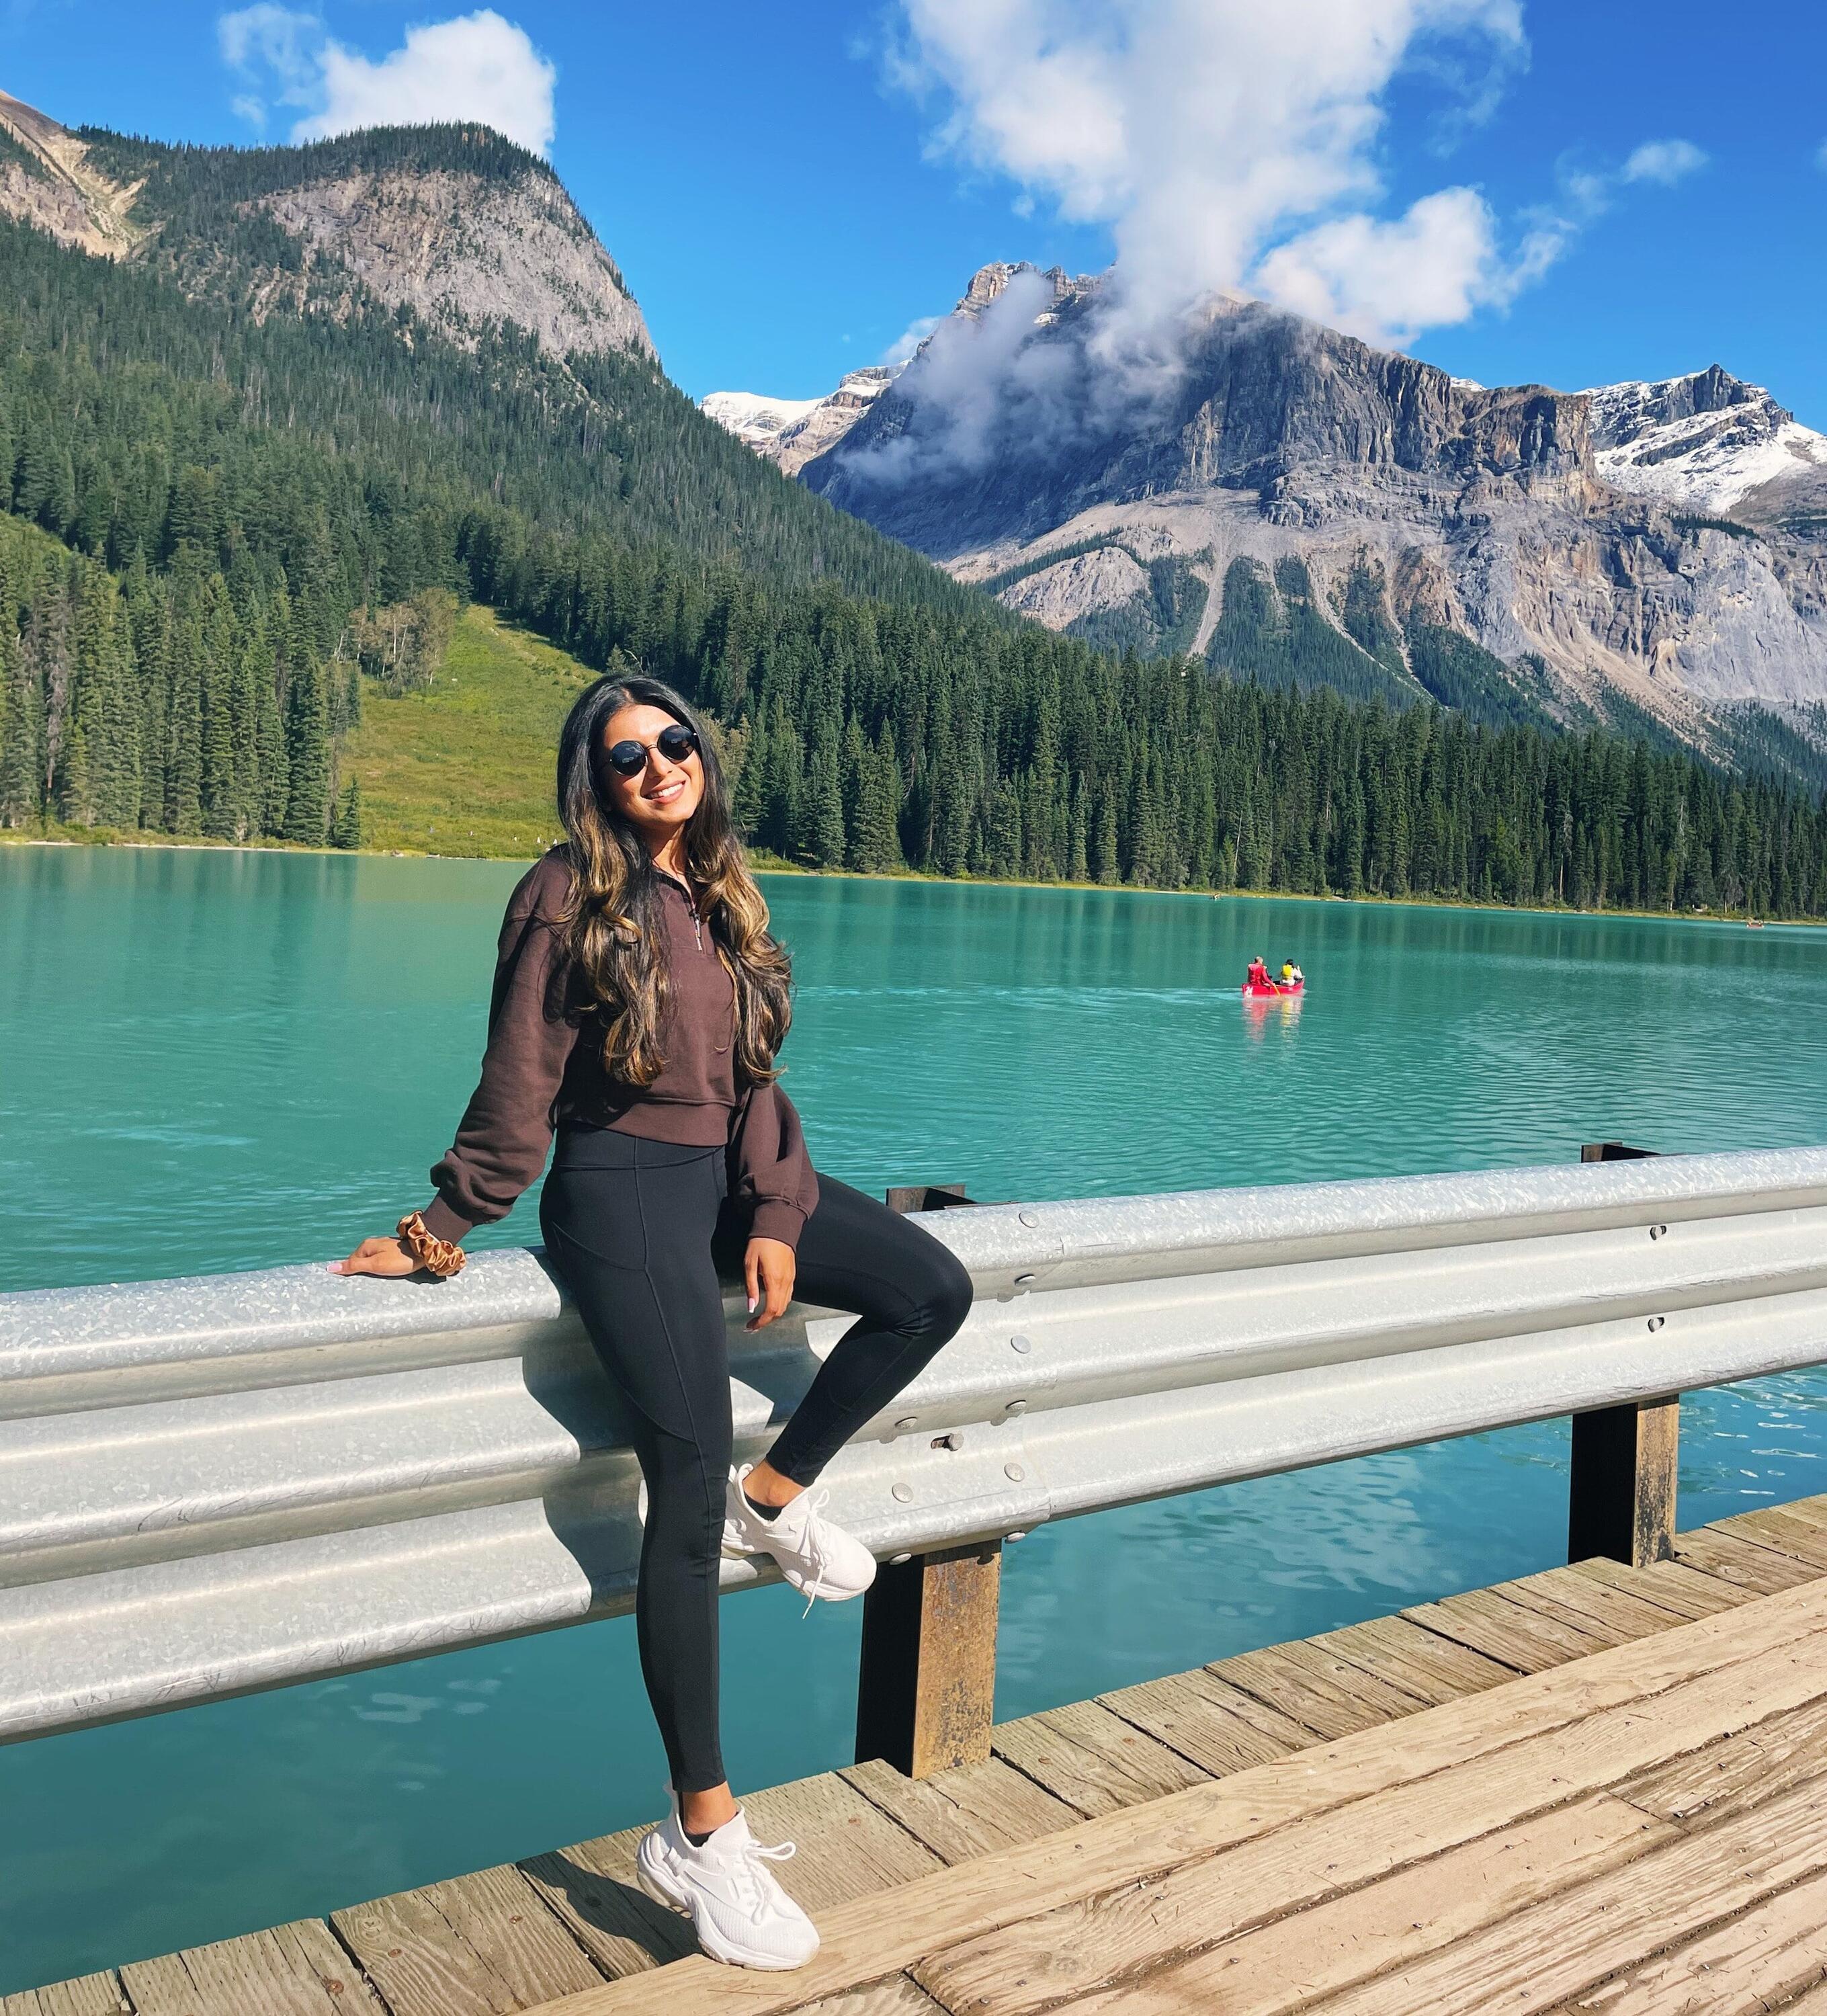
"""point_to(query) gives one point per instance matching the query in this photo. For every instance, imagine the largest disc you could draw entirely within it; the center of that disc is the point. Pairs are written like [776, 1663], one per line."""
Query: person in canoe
[1292, 976]
[1258, 974]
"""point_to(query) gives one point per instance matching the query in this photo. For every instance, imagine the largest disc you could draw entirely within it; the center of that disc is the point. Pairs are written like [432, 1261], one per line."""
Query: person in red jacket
[1258, 975]
[638, 1009]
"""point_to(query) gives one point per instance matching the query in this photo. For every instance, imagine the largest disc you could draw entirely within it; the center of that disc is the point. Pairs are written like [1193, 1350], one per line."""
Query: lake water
[212, 1060]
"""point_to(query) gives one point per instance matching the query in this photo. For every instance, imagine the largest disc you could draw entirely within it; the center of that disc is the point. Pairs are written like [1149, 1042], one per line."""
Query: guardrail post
[1621, 1499]
[926, 1684]
[927, 1691]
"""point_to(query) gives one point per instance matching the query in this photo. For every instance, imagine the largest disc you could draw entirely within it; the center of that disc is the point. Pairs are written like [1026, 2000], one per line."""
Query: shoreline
[764, 863]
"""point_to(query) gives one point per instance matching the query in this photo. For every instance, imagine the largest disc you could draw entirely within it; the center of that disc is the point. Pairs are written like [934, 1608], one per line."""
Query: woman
[639, 1004]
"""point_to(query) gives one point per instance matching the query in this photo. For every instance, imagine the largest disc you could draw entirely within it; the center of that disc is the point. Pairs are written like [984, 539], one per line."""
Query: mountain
[789, 433]
[1710, 442]
[463, 245]
[1279, 494]
[270, 418]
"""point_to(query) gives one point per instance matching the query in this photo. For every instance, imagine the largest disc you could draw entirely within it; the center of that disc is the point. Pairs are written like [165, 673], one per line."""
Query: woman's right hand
[378, 1256]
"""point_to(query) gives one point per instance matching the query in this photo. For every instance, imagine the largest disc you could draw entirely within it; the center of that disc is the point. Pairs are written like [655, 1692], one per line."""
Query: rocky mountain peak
[1710, 442]
[455, 223]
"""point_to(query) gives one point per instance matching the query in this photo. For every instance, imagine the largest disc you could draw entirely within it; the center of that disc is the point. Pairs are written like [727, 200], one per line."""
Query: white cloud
[1665, 161]
[1384, 280]
[1208, 134]
[476, 67]
[910, 338]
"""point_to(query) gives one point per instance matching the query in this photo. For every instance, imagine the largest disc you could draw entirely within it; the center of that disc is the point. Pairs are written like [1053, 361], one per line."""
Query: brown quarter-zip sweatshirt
[543, 1067]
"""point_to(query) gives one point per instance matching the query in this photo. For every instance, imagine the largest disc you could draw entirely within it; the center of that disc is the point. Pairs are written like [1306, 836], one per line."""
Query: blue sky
[789, 188]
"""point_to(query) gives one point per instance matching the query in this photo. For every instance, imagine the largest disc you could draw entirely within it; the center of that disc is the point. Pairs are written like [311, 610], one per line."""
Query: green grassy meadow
[465, 767]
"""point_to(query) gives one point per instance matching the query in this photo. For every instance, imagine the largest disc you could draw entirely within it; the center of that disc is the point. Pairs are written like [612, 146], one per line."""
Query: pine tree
[308, 757]
[346, 827]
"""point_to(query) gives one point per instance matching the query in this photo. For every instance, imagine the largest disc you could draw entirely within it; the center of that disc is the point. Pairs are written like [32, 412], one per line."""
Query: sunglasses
[629, 758]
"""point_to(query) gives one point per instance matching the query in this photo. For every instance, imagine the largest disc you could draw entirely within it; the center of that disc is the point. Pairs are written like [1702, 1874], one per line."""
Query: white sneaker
[814, 1553]
[741, 1915]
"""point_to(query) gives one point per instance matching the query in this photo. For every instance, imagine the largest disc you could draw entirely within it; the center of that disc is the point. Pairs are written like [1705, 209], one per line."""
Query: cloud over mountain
[477, 66]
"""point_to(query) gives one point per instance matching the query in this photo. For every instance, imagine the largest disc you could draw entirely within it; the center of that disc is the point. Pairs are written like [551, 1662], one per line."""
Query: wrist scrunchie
[438, 1257]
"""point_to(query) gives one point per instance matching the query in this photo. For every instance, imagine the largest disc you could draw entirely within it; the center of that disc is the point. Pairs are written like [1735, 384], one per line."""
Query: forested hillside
[209, 496]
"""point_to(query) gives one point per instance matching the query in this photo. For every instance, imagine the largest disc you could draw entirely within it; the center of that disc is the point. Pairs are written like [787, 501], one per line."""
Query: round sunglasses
[629, 758]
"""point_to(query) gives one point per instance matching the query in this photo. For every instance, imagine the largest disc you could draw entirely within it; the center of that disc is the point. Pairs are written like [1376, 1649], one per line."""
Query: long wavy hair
[613, 924]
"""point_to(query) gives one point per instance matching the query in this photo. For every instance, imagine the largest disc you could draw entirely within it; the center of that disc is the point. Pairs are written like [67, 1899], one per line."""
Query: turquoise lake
[214, 1061]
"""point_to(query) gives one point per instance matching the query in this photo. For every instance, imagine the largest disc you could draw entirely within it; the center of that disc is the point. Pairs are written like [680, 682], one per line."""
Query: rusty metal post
[925, 1694]
[1621, 1502]
[926, 1686]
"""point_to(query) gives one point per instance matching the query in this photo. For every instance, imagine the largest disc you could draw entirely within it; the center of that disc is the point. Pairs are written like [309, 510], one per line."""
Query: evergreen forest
[216, 528]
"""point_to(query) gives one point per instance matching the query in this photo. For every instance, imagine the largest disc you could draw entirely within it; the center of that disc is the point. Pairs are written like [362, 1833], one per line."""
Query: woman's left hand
[768, 1268]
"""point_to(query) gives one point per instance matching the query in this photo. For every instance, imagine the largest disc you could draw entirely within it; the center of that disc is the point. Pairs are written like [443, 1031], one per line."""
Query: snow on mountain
[752, 416]
[790, 432]
[1707, 440]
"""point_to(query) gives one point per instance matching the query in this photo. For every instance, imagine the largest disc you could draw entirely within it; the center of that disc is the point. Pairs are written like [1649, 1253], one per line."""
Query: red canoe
[1252, 992]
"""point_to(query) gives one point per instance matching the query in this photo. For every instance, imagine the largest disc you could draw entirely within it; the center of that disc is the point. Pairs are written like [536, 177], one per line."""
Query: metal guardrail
[214, 1485]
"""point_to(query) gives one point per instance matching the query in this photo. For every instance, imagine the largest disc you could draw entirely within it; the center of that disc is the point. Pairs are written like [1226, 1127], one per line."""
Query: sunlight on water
[215, 1060]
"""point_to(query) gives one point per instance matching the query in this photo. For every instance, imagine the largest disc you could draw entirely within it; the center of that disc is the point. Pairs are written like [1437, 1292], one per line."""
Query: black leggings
[637, 1229]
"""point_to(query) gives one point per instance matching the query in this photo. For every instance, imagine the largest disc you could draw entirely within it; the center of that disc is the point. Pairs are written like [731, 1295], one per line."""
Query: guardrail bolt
[1015, 1407]
[1656, 1323]
[1658, 1231]
[1014, 1472]
[1027, 1218]
[1020, 1344]
[903, 1494]
[908, 1421]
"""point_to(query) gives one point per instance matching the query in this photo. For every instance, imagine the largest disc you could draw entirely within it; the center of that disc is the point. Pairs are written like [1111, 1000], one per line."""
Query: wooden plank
[926, 1687]
[590, 1888]
[1731, 1671]
[1766, 1758]
[1620, 1501]
[478, 1945]
[1519, 1636]
[965, 1812]
[1167, 1918]
[1542, 1598]
[295, 1970]
[1770, 1528]
[1813, 1510]
[1437, 1668]
[1294, 1959]
[895, 1996]
[846, 1848]
[1672, 1586]
[1620, 1614]
[1733, 1558]
[1154, 1950]
[1333, 1696]
[1211, 1725]
[1094, 1760]
[86, 1995]
[1747, 1966]
[1554, 1951]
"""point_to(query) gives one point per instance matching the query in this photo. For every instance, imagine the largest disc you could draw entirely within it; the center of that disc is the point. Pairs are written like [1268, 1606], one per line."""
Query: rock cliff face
[45, 179]
[465, 254]
[464, 251]
[1560, 532]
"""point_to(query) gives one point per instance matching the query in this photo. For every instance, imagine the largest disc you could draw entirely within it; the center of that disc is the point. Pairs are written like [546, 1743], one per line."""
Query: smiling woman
[639, 1005]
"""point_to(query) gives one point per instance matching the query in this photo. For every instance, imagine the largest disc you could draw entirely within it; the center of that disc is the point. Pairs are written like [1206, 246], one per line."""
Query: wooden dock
[1600, 1789]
